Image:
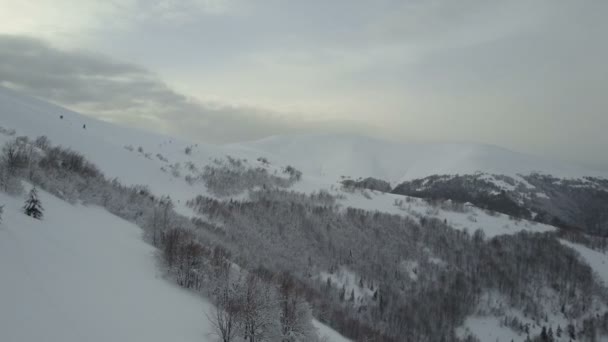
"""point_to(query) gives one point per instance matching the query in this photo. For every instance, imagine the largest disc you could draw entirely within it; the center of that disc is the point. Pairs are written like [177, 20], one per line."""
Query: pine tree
[571, 331]
[543, 335]
[1, 212]
[558, 332]
[32, 206]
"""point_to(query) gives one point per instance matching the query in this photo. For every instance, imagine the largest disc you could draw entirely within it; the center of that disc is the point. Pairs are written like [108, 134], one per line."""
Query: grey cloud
[130, 94]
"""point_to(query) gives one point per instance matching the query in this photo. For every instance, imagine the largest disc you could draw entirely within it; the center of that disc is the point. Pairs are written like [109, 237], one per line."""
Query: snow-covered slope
[138, 157]
[103, 261]
[83, 274]
[322, 157]
[331, 155]
[596, 259]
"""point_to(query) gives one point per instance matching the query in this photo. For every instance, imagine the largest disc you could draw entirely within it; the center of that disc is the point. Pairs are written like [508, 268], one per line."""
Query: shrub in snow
[32, 206]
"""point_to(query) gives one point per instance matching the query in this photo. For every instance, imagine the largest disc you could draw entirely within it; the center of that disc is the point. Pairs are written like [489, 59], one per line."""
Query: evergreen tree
[33, 206]
[1, 212]
[558, 332]
[543, 335]
[572, 331]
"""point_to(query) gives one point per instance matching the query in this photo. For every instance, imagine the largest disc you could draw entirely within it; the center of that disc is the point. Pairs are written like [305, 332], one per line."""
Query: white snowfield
[333, 155]
[83, 274]
[322, 158]
[596, 259]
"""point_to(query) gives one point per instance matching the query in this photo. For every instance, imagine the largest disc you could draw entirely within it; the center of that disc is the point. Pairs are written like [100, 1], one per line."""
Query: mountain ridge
[324, 156]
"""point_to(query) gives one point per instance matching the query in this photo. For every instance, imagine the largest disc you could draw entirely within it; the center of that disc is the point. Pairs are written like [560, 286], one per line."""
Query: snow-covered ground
[108, 273]
[470, 217]
[333, 155]
[323, 158]
[596, 259]
[83, 274]
[344, 278]
[138, 157]
[490, 328]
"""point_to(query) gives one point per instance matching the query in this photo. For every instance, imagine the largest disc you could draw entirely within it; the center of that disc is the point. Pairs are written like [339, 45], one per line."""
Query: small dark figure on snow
[32, 206]
[84, 126]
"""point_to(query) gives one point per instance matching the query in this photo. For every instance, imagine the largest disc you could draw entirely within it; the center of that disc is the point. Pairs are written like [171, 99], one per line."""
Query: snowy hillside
[322, 158]
[138, 157]
[83, 274]
[375, 265]
[359, 156]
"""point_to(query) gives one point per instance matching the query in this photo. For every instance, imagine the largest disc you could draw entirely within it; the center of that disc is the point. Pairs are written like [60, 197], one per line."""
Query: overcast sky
[531, 76]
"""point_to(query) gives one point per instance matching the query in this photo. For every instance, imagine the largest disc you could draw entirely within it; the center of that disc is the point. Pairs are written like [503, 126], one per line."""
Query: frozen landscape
[88, 271]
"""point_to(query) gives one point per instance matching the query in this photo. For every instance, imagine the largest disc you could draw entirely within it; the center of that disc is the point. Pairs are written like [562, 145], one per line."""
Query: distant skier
[84, 126]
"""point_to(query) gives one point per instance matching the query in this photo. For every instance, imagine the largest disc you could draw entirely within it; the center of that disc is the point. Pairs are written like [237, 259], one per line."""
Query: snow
[471, 218]
[411, 267]
[333, 155]
[597, 260]
[82, 274]
[327, 334]
[488, 328]
[349, 280]
[323, 158]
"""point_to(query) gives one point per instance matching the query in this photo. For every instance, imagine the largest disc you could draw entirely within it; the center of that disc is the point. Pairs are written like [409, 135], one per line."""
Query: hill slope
[324, 157]
[360, 156]
[373, 264]
[83, 274]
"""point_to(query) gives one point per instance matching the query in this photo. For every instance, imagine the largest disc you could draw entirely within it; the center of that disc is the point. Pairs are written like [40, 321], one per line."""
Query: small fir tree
[33, 206]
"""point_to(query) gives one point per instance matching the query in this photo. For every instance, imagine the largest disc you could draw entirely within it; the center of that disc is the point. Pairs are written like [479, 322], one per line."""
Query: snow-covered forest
[273, 249]
[272, 261]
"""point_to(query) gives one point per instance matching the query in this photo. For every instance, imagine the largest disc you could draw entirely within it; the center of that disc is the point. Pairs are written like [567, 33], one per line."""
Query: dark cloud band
[131, 94]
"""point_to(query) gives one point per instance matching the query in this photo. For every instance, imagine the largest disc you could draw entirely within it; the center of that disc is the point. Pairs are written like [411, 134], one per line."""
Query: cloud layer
[526, 75]
[127, 93]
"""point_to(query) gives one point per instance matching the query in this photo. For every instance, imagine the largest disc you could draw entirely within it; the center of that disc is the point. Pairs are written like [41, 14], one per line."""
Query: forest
[276, 258]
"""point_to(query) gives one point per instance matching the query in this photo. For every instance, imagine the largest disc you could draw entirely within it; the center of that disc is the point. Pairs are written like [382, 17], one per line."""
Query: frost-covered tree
[295, 313]
[1, 212]
[225, 318]
[33, 206]
[8, 183]
[259, 312]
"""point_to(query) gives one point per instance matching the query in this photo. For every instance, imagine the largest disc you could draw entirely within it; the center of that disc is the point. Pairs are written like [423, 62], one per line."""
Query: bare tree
[227, 310]
[259, 312]
[295, 313]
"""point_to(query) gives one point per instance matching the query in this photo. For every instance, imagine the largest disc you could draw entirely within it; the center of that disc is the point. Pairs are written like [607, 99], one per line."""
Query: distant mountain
[334, 155]
[573, 203]
[382, 241]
